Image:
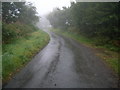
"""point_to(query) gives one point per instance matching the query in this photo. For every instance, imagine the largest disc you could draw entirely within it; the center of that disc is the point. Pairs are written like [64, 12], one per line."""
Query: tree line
[91, 19]
[18, 20]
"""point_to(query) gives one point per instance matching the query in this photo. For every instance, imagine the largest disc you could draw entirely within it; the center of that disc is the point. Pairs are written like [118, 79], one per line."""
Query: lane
[64, 63]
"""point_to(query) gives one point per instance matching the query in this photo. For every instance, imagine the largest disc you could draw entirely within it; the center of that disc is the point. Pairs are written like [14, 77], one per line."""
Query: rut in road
[64, 63]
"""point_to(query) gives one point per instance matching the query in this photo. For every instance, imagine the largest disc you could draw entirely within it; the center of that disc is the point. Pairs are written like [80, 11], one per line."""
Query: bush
[15, 30]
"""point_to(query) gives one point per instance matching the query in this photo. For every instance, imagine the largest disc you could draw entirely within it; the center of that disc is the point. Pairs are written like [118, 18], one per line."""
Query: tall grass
[18, 53]
[16, 30]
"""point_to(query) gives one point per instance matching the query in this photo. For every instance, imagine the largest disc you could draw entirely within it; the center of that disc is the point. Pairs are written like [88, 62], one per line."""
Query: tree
[92, 19]
[19, 11]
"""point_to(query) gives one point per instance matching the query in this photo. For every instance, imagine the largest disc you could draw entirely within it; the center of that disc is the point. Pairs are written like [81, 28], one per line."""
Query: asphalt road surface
[64, 63]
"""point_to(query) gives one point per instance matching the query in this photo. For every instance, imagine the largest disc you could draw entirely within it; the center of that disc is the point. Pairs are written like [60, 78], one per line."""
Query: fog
[46, 6]
[44, 24]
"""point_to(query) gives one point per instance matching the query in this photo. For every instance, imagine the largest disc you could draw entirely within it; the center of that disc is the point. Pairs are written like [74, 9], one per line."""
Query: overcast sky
[45, 6]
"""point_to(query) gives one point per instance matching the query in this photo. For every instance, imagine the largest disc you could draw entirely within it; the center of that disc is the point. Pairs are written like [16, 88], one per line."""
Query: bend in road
[64, 63]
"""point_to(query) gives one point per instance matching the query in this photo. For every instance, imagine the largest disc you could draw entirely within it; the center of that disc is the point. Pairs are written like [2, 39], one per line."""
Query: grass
[109, 57]
[18, 53]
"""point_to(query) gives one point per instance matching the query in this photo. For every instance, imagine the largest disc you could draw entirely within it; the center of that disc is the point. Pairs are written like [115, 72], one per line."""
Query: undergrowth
[18, 53]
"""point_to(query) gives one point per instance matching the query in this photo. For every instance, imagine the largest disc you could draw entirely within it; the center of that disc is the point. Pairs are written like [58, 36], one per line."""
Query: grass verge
[18, 53]
[109, 57]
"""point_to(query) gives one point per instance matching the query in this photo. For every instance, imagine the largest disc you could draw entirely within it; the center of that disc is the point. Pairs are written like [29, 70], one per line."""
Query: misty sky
[45, 6]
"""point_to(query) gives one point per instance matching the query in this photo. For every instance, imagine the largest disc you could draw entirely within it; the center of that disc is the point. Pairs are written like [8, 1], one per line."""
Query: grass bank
[18, 53]
[109, 56]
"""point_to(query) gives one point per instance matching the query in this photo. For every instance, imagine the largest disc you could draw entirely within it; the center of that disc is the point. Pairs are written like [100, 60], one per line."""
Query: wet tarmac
[64, 63]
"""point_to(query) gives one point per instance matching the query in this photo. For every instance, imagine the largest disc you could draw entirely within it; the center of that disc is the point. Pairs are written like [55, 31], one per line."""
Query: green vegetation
[16, 30]
[19, 52]
[21, 39]
[108, 55]
[98, 21]
[92, 23]
[23, 12]
[18, 20]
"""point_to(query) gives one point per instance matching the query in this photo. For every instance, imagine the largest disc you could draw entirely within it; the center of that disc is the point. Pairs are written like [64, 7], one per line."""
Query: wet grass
[18, 53]
[104, 52]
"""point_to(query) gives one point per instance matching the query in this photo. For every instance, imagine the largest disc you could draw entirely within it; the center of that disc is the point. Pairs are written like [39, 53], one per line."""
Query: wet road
[64, 63]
